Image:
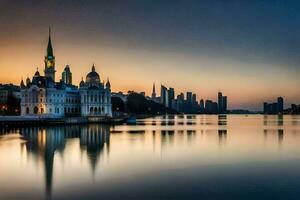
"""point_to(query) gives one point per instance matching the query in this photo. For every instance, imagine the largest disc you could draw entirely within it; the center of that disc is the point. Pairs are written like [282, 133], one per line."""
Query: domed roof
[93, 76]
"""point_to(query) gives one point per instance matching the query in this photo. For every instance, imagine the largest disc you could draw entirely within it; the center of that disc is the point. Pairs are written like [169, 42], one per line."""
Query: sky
[249, 50]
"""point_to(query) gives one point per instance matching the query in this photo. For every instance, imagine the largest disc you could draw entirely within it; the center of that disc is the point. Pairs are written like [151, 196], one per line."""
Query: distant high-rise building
[171, 96]
[224, 104]
[220, 102]
[194, 99]
[180, 102]
[211, 107]
[164, 96]
[280, 106]
[189, 97]
[274, 108]
[201, 105]
[153, 92]
[66, 75]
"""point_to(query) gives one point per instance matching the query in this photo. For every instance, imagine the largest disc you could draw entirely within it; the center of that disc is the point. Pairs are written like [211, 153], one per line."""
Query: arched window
[35, 110]
[91, 110]
[27, 110]
[42, 110]
[95, 110]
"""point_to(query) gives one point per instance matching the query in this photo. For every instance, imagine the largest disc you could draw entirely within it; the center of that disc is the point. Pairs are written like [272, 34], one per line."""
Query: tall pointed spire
[49, 47]
[153, 91]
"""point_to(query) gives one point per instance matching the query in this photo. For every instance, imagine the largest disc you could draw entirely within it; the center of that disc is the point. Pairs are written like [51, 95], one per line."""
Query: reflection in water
[278, 132]
[198, 153]
[273, 119]
[42, 143]
[222, 120]
[222, 137]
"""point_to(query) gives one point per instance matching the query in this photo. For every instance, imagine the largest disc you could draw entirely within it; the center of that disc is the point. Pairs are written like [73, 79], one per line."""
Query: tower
[153, 92]
[220, 102]
[280, 106]
[66, 75]
[50, 60]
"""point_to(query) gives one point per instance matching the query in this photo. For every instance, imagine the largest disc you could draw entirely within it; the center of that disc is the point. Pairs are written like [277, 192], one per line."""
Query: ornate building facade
[42, 96]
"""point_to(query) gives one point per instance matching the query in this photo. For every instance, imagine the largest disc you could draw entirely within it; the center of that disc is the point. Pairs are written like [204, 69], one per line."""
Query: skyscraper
[189, 97]
[164, 96]
[224, 104]
[201, 105]
[220, 102]
[171, 96]
[66, 75]
[280, 106]
[180, 102]
[275, 107]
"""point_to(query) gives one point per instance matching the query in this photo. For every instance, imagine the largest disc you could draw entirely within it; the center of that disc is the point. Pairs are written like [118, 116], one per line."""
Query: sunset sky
[249, 50]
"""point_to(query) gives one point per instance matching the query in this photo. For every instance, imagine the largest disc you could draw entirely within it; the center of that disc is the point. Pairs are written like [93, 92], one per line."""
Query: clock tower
[50, 60]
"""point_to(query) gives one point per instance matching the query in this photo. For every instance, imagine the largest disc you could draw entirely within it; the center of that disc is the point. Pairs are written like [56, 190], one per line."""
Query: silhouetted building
[222, 103]
[201, 109]
[180, 102]
[164, 96]
[273, 108]
[280, 106]
[211, 107]
[189, 97]
[171, 96]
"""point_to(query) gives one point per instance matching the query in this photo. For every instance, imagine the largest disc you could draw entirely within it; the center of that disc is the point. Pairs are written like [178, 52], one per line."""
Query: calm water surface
[171, 157]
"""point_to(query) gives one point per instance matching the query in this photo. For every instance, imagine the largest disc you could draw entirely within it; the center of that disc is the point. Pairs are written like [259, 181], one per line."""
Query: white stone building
[95, 97]
[42, 96]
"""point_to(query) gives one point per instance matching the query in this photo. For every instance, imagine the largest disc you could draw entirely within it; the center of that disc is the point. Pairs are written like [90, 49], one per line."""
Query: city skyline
[194, 57]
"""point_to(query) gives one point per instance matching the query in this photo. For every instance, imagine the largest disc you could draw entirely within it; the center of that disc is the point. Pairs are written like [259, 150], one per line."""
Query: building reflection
[222, 120]
[273, 120]
[43, 143]
[279, 132]
[222, 137]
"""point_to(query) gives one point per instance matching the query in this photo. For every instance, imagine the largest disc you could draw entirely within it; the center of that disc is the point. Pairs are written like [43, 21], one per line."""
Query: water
[172, 157]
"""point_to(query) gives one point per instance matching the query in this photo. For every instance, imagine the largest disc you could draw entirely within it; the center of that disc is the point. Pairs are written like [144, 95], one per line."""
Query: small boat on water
[131, 120]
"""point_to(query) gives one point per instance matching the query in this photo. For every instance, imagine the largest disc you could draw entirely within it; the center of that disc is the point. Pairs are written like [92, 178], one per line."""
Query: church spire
[49, 48]
[153, 91]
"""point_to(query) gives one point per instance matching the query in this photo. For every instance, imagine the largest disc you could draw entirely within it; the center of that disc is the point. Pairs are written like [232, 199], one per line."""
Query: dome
[93, 76]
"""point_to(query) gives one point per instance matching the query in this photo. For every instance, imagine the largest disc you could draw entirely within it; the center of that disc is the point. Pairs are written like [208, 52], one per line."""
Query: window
[35, 110]
[27, 110]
